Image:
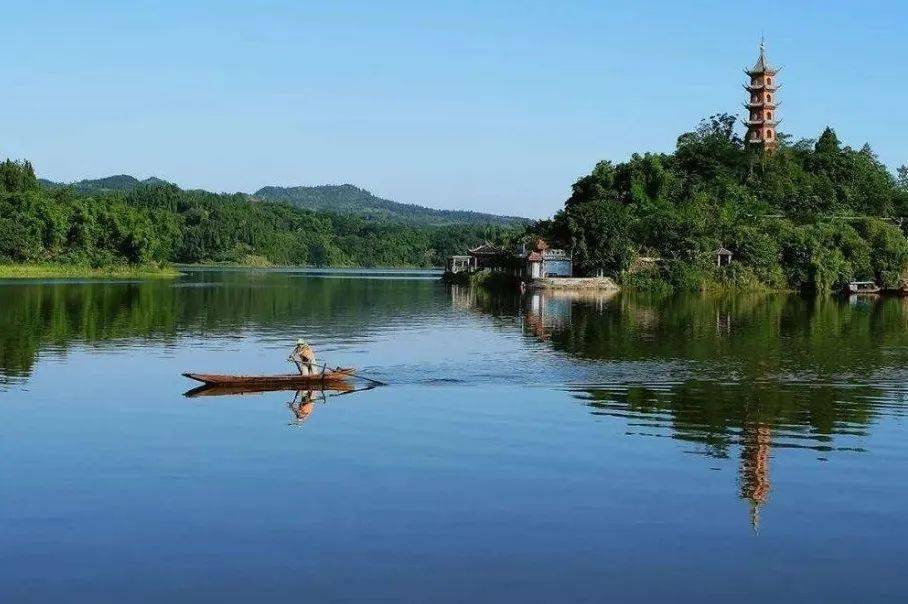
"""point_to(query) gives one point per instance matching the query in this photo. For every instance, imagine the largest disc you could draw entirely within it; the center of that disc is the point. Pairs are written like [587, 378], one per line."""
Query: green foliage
[812, 215]
[338, 199]
[154, 222]
[348, 199]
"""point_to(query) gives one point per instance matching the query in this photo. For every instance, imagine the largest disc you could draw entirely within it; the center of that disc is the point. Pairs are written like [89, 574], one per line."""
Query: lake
[527, 448]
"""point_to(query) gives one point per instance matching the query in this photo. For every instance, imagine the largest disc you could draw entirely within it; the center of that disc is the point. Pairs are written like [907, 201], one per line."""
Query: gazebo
[723, 256]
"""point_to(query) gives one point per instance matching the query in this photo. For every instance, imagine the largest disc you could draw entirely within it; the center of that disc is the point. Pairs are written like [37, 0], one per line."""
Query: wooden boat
[862, 288]
[285, 381]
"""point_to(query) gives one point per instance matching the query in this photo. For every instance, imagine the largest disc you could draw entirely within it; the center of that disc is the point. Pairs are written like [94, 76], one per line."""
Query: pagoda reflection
[737, 375]
[754, 469]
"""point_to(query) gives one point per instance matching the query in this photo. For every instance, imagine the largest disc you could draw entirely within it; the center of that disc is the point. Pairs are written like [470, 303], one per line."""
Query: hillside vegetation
[159, 223]
[120, 182]
[813, 215]
[340, 199]
[353, 200]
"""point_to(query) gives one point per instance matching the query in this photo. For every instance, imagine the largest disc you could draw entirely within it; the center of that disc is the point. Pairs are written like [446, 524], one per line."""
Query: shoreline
[303, 267]
[75, 271]
[598, 284]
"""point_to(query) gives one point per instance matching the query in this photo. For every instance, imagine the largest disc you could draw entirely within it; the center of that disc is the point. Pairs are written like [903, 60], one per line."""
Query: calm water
[543, 448]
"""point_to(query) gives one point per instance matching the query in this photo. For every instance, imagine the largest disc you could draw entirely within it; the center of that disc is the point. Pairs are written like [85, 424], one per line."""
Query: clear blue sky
[493, 106]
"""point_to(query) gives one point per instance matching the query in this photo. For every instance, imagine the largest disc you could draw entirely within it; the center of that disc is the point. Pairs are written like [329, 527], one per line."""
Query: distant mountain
[340, 199]
[120, 182]
[348, 199]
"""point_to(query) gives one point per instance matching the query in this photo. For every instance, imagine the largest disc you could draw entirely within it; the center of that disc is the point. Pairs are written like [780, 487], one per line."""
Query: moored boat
[338, 374]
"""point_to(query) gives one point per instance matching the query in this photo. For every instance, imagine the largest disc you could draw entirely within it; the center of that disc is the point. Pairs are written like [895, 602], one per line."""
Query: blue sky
[492, 106]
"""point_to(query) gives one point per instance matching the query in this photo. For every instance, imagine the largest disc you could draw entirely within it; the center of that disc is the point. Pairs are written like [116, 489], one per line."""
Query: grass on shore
[74, 271]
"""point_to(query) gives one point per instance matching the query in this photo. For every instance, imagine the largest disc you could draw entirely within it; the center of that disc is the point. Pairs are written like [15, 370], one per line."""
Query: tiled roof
[486, 249]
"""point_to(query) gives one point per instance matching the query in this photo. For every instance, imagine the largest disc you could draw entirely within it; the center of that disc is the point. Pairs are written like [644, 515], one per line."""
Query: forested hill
[815, 214]
[340, 199]
[349, 199]
[120, 182]
[122, 222]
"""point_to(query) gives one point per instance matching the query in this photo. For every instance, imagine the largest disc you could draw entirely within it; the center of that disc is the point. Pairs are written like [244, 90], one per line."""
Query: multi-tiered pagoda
[761, 120]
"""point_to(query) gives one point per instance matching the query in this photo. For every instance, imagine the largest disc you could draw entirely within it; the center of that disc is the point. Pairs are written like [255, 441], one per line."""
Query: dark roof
[486, 249]
[761, 66]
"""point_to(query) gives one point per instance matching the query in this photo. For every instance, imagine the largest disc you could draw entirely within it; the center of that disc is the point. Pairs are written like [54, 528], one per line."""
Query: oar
[324, 368]
[362, 377]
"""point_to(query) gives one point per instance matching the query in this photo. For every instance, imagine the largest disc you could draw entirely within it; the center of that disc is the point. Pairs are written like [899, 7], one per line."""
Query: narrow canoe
[288, 379]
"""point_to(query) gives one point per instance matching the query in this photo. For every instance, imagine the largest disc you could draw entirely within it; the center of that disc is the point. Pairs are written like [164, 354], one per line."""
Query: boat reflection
[230, 390]
[301, 406]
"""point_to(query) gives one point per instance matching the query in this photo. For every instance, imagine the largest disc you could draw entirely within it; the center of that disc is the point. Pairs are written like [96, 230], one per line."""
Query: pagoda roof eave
[754, 87]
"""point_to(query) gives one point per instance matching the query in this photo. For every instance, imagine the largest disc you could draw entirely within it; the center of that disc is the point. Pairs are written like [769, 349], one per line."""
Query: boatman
[304, 357]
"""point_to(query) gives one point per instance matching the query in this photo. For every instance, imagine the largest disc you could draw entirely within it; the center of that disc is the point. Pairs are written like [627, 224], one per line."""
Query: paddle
[362, 377]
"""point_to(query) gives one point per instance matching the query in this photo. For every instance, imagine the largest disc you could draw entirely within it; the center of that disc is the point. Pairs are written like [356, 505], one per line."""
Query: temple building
[761, 121]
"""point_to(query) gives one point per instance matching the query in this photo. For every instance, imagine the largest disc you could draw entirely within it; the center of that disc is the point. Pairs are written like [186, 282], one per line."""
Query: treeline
[348, 199]
[160, 223]
[814, 214]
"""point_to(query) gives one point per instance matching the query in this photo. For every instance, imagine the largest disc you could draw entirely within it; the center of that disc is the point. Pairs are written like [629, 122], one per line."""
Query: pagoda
[761, 121]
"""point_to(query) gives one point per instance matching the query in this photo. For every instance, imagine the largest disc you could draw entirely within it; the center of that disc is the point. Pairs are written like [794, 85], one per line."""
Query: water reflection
[524, 440]
[762, 373]
[37, 317]
[732, 377]
[234, 390]
[754, 473]
[303, 404]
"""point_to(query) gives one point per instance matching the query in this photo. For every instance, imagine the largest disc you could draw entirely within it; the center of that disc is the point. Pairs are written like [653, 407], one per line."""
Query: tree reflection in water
[763, 372]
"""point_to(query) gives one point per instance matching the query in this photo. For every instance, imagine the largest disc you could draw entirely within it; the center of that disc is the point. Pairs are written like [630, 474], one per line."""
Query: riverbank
[305, 267]
[575, 284]
[69, 271]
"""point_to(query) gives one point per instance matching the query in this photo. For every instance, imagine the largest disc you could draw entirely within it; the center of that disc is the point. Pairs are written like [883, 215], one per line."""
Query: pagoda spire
[761, 107]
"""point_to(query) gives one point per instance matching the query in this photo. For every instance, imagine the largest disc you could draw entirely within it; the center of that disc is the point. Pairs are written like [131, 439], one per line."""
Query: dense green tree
[814, 214]
[153, 222]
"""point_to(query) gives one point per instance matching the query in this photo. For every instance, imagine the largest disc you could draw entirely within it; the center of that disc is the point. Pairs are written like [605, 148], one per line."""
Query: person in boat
[304, 357]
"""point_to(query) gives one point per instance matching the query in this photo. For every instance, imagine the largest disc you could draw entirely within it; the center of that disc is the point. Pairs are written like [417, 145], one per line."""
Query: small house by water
[548, 263]
[527, 262]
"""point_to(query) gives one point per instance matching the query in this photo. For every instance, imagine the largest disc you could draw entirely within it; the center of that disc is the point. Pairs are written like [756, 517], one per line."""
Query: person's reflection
[302, 406]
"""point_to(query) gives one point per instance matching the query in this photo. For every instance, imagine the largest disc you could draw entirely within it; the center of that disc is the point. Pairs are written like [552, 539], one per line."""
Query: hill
[340, 199]
[349, 199]
[120, 221]
[120, 182]
[814, 214]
